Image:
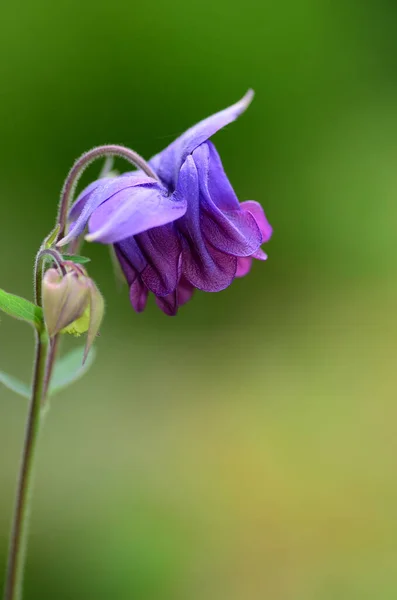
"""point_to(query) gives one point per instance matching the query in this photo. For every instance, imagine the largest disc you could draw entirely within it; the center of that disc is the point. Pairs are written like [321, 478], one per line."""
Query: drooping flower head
[182, 231]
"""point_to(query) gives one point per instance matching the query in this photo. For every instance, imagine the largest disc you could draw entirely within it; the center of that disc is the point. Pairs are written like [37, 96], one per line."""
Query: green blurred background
[246, 449]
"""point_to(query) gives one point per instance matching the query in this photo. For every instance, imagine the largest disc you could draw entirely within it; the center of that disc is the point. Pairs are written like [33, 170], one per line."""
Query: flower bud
[65, 298]
[72, 304]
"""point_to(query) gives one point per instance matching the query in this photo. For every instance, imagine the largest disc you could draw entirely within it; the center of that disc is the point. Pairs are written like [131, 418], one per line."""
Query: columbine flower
[183, 231]
[72, 304]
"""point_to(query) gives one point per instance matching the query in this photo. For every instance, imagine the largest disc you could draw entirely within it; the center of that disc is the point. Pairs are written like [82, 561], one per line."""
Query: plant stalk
[19, 532]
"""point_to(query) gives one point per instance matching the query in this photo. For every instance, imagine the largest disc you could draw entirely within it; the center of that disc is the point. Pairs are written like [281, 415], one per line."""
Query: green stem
[19, 533]
[51, 360]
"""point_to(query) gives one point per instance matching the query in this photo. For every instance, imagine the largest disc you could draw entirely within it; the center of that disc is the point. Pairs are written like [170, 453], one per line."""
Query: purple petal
[204, 266]
[170, 304]
[232, 231]
[83, 198]
[257, 212]
[138, 291]
[138, 295]
[130, 258]
[133, 210]
[184, 291]
[108, 190]
[161, 248]
[168, 162]
[219, 186]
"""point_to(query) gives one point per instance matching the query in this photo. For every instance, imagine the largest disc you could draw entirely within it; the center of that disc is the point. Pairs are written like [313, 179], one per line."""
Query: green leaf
[21, 309]
[69, 368]
[79, 260]
[13, 384]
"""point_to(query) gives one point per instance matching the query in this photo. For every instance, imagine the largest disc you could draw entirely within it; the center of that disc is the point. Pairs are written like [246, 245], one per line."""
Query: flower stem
[51, 360]
[17, 550]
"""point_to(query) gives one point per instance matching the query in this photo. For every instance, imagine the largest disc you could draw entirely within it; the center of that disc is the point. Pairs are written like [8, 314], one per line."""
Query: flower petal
[138, 291]
[83, 198]
[257, 212]
[244, 265]
[130, 257]
[184, 291]
[161, 248]
[107, 190]
[138, 295]
[204, 266]
[232, 231]
[133, 210]
[167, 163]
[219, 186]
[170, 304]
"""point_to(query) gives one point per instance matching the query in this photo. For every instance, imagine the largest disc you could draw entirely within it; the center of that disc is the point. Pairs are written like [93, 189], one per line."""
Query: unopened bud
[65, 298]
[72, 304]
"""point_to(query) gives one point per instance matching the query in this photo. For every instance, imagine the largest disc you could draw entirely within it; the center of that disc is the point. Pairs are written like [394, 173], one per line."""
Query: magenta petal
[244, 265]
[168, 162]
[259, 254]
[257, 212]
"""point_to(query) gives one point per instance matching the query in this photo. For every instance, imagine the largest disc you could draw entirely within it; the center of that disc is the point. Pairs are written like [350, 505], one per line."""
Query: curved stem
[79, 167]
[39, 267]
[17, 551]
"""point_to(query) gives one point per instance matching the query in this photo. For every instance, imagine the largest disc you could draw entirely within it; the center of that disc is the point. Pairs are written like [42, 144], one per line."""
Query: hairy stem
[79, 167]
[19, 532]
[39, 269]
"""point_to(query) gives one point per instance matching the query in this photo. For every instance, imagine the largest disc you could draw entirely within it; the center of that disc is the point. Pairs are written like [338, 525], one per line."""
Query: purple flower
[186, 230]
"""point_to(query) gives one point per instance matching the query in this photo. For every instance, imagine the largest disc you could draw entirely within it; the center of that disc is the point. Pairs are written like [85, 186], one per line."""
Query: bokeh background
[246, 449]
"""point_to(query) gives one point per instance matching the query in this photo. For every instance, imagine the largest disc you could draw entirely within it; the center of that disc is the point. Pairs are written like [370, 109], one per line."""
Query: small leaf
[21, 309]
[79, 260]
[69, 368]
[13, 384]
[51, 238]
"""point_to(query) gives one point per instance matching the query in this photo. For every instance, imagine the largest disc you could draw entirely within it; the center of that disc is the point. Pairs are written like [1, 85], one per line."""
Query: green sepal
[76, 258]
[18, 307]
[15, 385]
[52, 237]
[69, 368]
